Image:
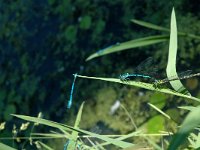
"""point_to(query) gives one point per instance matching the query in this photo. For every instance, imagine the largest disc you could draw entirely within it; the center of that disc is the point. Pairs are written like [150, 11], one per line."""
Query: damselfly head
[124, 77]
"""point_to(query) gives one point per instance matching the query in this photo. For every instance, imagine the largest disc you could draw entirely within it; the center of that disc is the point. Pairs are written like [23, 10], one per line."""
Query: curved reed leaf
[160, 28]
[130, 44]
[144, 85]
[149, 25]
[171, 64]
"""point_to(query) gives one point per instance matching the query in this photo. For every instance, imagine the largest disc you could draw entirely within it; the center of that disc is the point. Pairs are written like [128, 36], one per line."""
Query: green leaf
[6, 147]
[44, 122]
[117, 142]
[158, 99]
[160, 111]
[78, 119]
[122, 138]
[171, 65]
[191, 121]
[149, 25]
[142, 85]
[46, 135]
[130, 44]
[72, 141]
[113, 141]
[155, 124]
[190, 108]
[156, 27]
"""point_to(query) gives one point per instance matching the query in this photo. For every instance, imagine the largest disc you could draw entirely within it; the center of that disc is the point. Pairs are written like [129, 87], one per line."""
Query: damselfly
[69, 104]
[143, 70]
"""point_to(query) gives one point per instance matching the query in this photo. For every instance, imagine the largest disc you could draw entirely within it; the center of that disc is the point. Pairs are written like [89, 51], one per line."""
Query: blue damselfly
[143, 70]
[147, 70]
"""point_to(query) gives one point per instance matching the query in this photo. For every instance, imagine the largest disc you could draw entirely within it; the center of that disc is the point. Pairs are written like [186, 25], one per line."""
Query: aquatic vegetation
[35, 77]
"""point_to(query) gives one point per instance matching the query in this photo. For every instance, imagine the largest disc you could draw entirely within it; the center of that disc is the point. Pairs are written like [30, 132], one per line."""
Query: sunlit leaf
[6, 147]
[171, 64]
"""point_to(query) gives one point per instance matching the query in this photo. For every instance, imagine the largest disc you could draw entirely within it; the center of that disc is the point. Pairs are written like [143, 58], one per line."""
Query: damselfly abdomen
[145, 70]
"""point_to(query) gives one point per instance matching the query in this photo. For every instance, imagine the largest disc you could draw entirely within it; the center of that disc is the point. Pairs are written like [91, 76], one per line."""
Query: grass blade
[156, 27]
[72, 142]
[6, 147]
[48, 135]
[190, 108]
[78, 119]
[115, 142]
[123, 138]
[160, 111]
[144, 85]
[149, 25]
[130, 44]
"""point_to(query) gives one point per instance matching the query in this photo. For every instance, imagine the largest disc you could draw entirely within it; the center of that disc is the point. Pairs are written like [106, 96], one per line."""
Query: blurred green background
[43, 42]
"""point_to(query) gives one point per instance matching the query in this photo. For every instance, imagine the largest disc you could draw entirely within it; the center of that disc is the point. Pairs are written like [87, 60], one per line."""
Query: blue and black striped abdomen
[128, 76]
